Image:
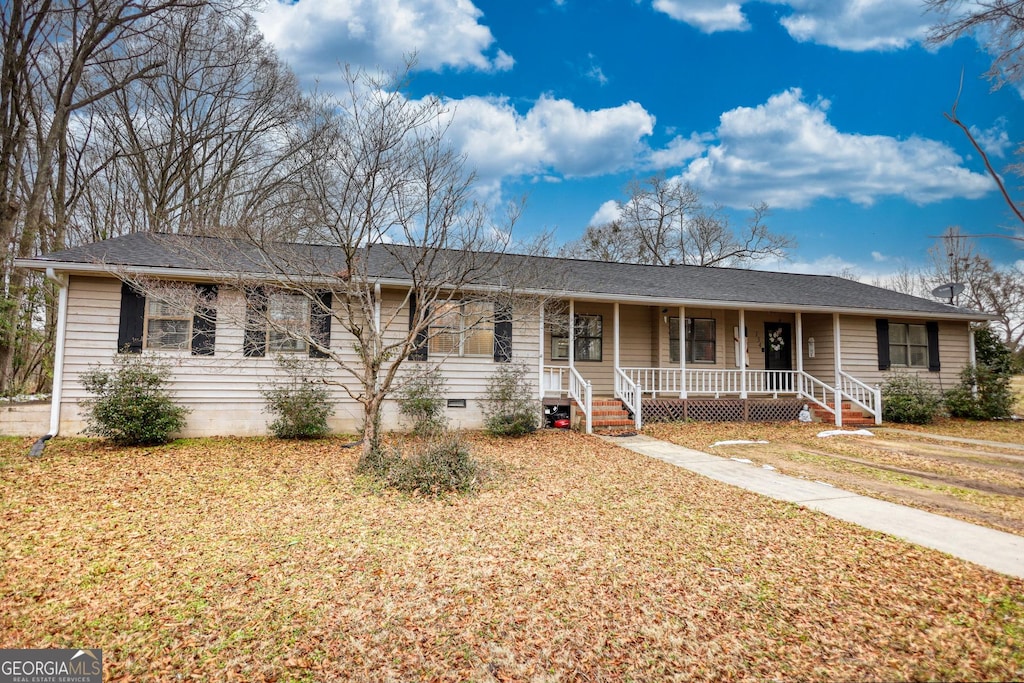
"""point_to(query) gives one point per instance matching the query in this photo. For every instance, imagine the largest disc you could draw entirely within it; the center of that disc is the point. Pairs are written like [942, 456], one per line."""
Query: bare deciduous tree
[998, 25]
[51, 52]
[385, 200]
[987, 287]
[664, 222]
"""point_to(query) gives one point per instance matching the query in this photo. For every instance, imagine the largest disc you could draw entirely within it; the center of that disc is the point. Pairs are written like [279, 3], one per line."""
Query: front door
[778, 355]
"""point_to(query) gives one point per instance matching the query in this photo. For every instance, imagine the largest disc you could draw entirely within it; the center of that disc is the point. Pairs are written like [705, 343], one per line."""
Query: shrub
[909, 399]
[421, 400]
[445, 465]
[993, 398]
[510, 408]
[132, 406]
[300, 402]
[992, 376]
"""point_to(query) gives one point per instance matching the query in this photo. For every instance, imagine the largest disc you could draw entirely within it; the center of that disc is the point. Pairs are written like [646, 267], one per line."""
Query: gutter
[56, 391]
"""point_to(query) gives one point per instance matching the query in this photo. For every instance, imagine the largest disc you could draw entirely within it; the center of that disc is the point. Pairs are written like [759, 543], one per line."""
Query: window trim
[907, 346]
[484, 318]
[691, 330]
[577, 338]
[147, 317]
[269, 330]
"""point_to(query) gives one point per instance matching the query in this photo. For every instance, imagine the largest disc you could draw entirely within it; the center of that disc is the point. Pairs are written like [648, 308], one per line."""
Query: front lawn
[255, 559]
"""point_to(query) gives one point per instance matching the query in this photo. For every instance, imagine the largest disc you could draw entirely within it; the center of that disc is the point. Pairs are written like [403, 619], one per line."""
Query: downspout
[56, 391]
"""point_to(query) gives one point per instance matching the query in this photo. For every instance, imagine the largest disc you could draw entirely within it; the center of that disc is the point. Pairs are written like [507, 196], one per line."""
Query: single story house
[646, 343]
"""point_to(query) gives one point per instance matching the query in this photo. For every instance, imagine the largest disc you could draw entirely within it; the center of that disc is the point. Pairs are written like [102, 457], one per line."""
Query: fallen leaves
[980, 483]
[252, 559]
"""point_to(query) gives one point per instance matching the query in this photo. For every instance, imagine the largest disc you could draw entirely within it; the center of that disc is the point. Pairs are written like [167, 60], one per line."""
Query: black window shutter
[254, 344]
[882, 328]
[932, 328]
[133, 316]
[204, 321]
[503, 333]
[420, 351]
[320, 324]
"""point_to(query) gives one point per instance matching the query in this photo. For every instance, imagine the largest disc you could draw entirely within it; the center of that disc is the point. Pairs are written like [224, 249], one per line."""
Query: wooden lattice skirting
[721, 409]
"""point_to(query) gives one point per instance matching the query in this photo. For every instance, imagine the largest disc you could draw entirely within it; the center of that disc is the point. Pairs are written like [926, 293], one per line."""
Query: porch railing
[581, 391]
[868, 398]
[816, 391]
[713, 382]
[665, 382]
[555, 380]
[627, 391]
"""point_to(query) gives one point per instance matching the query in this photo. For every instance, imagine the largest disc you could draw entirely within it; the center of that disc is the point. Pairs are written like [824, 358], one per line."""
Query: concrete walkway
[989, 548]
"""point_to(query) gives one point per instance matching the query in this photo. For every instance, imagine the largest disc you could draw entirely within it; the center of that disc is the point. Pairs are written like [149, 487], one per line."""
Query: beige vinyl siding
[860, 351]
[466, 377]
[819, 327]
[224, 390]
[636, 344]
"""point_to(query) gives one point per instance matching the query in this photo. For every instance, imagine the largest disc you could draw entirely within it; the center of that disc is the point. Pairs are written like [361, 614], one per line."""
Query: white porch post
[376, 308]
[743, 353]
[615, 331]
[572, 333]
[799, 343]
[837, 349]
[540, 348]
[799, 351]
[972, 355]
[682, 352]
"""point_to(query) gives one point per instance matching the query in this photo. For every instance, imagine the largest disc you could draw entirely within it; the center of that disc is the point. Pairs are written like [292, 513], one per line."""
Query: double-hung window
[288, 315]
[168, 324]
[700, 340]
[908, 345]
[588, 337]
[462, 328]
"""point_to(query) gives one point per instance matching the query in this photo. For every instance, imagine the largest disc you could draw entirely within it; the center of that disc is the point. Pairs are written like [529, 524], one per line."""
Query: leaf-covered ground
[248, 559]
[979, 483]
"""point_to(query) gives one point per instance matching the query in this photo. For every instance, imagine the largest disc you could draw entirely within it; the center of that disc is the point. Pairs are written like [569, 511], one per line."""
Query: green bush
[421, 400]
[992, 377]
[510, 408]
[300, 402]
[132, 406]
[909, 399]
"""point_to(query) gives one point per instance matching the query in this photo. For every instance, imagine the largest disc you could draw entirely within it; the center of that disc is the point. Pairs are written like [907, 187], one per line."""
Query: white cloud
[316, 35]
[606, 213]
[878, 257]
[707, 15]
[678, 151]
[554, 137]
[855, 25]
[995, 140]
[787, 153]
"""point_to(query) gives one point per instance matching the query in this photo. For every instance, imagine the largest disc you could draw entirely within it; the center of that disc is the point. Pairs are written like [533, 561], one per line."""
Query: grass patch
[256, 560]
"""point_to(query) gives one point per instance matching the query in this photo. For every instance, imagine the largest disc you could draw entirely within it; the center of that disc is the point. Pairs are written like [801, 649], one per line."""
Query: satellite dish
[948, 291]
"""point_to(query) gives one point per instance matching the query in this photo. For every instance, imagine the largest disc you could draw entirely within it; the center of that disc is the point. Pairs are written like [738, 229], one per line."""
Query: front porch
[690, 377]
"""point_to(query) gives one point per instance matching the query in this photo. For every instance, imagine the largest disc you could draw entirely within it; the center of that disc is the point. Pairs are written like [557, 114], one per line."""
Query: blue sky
[829, 110]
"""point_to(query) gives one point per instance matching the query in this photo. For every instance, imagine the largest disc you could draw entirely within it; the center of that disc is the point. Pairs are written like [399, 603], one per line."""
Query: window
[908, 345]
[289, 320]
[168, 325]
[282, 322]
[588, 334]
[462, 329]
[700, 340]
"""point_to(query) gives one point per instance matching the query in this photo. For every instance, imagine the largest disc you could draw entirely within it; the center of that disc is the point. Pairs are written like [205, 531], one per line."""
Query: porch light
[810, 347]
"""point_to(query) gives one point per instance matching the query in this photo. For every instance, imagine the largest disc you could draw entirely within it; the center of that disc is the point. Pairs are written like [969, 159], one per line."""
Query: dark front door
[778, 355]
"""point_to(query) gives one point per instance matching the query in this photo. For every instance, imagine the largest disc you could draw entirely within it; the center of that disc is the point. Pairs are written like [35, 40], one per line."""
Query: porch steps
[852, 417]
[609, 413]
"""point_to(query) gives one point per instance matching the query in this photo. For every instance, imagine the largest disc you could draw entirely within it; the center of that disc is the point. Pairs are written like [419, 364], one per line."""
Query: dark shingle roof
[588, 279]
